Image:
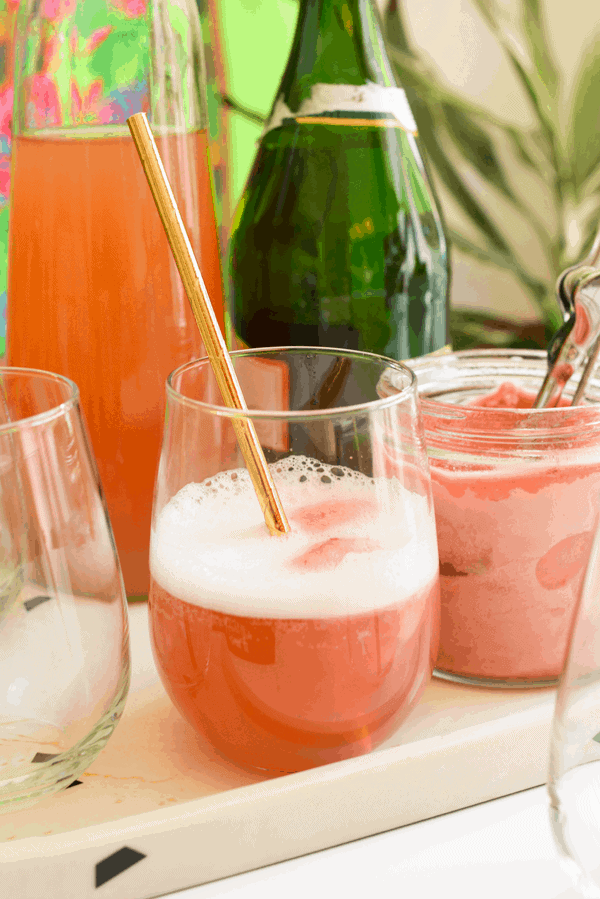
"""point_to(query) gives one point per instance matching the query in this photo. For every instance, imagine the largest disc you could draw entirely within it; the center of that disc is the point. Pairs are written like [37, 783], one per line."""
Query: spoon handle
[578, 340]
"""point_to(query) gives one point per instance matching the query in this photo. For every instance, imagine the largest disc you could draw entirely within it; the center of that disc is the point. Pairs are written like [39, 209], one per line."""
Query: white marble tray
[158, 812]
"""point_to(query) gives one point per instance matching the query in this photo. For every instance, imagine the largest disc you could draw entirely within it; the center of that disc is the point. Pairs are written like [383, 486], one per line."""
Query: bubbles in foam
[211, 546]
[288, 473]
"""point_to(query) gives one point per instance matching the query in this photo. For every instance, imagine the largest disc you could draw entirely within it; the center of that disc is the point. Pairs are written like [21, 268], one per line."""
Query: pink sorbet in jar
[516, 504]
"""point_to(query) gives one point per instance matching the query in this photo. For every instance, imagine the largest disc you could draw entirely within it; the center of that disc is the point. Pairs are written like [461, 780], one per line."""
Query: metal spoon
[578, 293]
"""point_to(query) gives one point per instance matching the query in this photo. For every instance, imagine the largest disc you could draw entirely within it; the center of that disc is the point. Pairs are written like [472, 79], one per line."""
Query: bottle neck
[336, 42]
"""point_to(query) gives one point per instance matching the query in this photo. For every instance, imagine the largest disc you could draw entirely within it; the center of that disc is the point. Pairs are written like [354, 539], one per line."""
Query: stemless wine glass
[574, 775]
[286, 652]
[64, 649]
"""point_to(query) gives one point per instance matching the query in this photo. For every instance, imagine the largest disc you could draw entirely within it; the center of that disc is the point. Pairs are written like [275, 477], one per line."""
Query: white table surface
[501, 849]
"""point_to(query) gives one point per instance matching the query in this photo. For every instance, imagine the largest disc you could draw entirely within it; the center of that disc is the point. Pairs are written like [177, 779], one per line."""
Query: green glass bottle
[337, 240]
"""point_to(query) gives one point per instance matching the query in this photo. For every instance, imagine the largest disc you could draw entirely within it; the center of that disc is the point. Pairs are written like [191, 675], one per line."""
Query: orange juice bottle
[93, 291]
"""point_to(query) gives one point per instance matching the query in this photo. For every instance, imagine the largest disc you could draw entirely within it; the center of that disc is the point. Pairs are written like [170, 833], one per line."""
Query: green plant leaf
[448, 123]
[486, 255]
[590, 231]
[477, 147]
[423, 89]
[471, 328]
[528, 83]
[584, 124]
[427, 111]
[414, 75]
[487, 13]
[541, 292]
[519, 144]
[535, 31]
[532, 81]
[393, 25]
[489, 256]
[448, 173]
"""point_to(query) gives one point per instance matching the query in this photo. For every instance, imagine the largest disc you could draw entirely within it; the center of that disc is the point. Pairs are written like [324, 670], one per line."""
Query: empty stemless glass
[574, 775]
[64, 649]
[287, 652]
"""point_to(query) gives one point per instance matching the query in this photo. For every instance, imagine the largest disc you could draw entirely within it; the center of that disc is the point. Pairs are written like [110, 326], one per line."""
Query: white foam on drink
[211, 547]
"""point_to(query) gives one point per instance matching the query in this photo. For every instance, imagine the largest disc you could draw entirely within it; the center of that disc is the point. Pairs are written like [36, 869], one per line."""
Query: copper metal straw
[210, 332]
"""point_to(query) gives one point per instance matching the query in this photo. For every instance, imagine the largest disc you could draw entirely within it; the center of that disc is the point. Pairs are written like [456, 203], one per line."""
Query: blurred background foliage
[520, 198]
[502, 180]
[520, 193]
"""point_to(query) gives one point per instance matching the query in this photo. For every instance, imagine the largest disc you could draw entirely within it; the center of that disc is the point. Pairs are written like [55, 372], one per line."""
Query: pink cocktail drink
[511, 565]
[288, 652]
[516, 494]
[94, 295]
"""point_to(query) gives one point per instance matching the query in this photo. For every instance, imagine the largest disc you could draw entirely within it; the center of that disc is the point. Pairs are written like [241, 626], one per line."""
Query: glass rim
[99, 131]
[457, 411]
[54, 412]
[304, 414]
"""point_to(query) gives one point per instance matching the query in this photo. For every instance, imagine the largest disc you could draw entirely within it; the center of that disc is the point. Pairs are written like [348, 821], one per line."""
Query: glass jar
[516, 503]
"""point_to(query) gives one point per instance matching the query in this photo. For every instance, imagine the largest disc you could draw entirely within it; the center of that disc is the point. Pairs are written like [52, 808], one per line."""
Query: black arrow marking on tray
[116, 863]
[36, 601]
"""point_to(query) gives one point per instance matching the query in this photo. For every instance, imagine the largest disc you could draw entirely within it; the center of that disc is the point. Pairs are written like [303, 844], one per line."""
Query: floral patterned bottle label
[91, 69]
